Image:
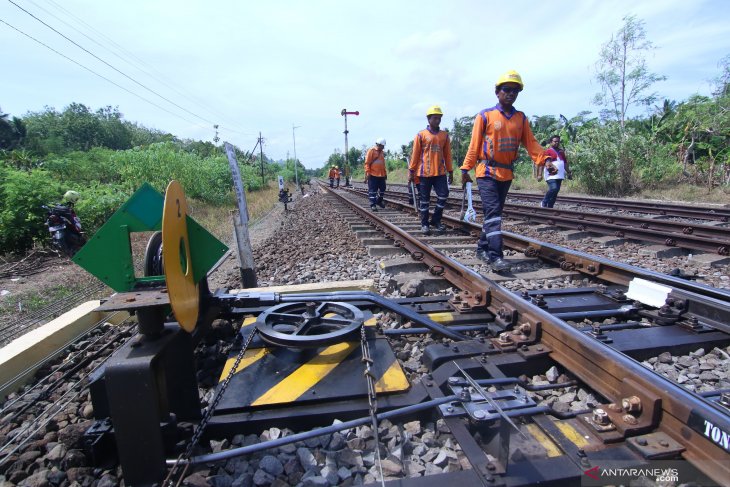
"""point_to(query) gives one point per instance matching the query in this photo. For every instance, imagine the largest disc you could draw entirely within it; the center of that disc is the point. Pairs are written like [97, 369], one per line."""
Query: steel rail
[669, 237]
[664, 209]
[588, 264]
[707, 238]
[712, 232]
[608, 371]
[712, 213]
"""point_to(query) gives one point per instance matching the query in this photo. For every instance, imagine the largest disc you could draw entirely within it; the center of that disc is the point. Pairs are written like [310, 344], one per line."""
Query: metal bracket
[476, 407]
[656, 445]
[466, 302]
[637, 412]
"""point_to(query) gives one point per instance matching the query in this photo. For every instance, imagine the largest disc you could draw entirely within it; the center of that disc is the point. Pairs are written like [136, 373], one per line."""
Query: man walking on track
[375, 174]
[431, 162]
[334, 174]
[497, 134]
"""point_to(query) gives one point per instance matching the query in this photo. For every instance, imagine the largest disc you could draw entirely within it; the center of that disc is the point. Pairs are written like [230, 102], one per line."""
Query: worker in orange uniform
[375, 174]
[497, 134]
[431, 162]
[333, 174]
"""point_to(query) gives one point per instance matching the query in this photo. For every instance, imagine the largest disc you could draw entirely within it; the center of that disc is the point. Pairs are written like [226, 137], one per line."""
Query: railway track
[537, 376]
[669, 210]
[694, 234]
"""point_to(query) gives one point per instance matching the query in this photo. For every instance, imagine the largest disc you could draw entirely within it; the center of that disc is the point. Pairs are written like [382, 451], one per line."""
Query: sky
[271, 65]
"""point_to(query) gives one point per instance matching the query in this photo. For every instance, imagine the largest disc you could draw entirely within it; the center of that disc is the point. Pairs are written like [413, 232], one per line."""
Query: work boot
[425, 230]
[499, 265]
[381, 204]
[482, 255]
[440, 228]
[373, 207]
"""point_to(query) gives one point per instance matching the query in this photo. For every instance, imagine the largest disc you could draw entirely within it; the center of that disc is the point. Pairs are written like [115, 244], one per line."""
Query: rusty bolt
[505, 337]
[642, 441]
[629, 419]
[631, 404]
[600, 417]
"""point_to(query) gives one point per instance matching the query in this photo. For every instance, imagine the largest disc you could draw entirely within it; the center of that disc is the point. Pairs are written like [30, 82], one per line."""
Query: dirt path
[44, 276]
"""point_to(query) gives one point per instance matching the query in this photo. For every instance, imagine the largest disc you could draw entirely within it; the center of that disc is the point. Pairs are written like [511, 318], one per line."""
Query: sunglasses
[511, 90]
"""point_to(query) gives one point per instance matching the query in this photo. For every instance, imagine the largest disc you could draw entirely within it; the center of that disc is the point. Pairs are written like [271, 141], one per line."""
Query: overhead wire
[135, 61]
[111, 66]
[100, 75]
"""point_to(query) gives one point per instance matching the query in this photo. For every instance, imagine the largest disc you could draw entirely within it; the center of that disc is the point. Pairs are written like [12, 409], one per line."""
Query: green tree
[622, 72]
[12, 131]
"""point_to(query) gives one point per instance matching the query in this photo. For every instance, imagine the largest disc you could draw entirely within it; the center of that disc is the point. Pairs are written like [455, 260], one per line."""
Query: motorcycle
[65, 228]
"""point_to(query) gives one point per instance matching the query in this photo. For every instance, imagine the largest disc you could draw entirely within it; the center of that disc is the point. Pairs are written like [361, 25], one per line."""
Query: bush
[22, 219]
[98, 202]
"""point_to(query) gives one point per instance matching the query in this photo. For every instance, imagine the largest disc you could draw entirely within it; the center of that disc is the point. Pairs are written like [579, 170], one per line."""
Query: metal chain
[372, 398]
[200, 429]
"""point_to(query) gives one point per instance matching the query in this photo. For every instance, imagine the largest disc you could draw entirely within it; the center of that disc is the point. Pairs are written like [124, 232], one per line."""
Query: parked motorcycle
[65, 228]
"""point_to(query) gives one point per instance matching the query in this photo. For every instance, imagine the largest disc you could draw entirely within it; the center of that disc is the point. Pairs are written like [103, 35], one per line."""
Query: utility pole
[345, 113]
[296, 172]
[261, 151]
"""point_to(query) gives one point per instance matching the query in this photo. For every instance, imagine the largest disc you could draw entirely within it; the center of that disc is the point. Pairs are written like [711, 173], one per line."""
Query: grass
[34, 300]
[217, 219]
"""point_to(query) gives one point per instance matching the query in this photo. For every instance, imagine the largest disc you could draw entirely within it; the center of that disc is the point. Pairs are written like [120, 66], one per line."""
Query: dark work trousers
[338, 182]
[376, 189]
[441, 186]
[493, 194]
[332, 182]
[552, 193]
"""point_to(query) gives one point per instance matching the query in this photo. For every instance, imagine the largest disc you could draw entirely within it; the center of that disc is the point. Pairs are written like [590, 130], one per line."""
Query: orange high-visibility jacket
[431, 154]
[375, 163]
[334, 173]
[495, 139]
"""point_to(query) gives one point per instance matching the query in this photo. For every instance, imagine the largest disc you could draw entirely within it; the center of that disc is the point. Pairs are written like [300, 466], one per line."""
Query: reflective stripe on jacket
[495, 140]
[431, 154]
[375, 163]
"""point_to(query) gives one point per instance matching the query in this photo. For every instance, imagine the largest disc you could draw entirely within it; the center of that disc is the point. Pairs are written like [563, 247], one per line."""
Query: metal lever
[491, 401]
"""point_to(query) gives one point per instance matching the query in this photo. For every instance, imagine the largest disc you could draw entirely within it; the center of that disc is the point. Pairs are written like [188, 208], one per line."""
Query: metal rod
[488, 398]
[417, 331]
[245, 450]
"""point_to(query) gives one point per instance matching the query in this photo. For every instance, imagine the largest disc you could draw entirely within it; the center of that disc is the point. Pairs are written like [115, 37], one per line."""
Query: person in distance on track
[431, 162]
[556, 167]
[496, 136]
[332, 175]
[376, 174]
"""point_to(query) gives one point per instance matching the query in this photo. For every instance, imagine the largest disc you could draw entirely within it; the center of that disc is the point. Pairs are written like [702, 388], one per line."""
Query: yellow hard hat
[511, 76]
[335, 167]
[434, 110]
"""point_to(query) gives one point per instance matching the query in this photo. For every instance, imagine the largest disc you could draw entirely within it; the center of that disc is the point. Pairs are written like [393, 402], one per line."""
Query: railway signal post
[345, 113]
